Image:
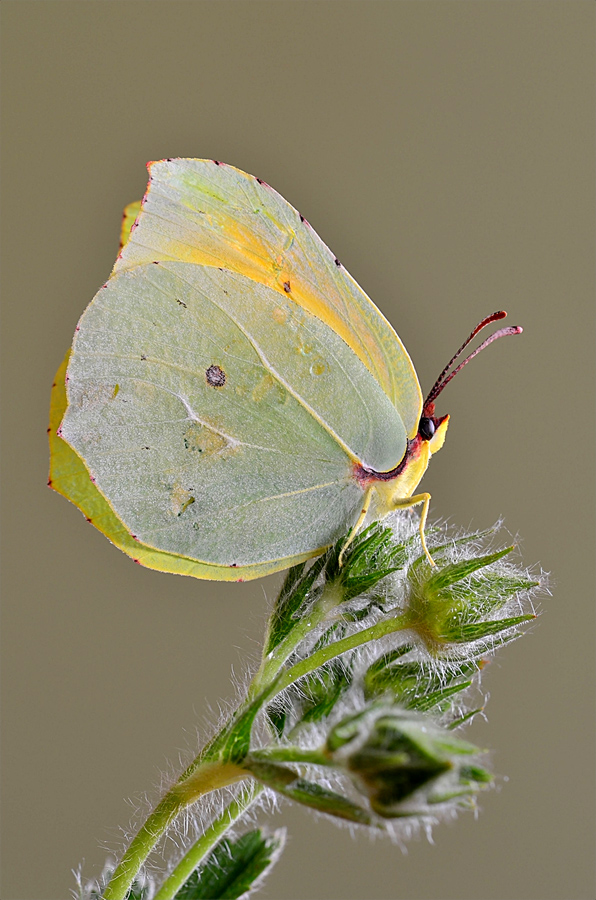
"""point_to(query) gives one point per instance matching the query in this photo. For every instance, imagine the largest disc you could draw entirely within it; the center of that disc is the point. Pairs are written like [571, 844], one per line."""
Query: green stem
[288, 754]
[193, 857]
[173, 802]
[141, 846]
[207, 778]
[325, 654]
[331, 596]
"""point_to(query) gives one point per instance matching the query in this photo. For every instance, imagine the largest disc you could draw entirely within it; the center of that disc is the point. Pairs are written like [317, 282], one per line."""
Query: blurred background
[444, 151]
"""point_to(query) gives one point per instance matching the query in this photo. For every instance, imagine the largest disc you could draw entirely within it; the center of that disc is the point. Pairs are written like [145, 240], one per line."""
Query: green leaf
[436, 698]
[440, 550]
[233, 742]
[294, 591]
[417, 685]
[474, 631]
[321, 692]
[278, 718]
[286, 781]
[371, 556]
[475, 774]
[234, 867]
[465, 718]
[455, 572]
[489, 591]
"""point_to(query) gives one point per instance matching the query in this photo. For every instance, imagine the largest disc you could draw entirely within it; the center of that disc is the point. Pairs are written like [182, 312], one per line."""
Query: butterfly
[233, 402]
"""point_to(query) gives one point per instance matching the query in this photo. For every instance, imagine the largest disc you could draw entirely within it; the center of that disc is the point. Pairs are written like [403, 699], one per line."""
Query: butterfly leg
[365, 505]
[406, 503]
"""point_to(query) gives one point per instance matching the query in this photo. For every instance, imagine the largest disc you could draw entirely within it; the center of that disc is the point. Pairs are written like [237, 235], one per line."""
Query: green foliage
[315, 698]
[417, 684]
[467, 632]
[355, 727]
[451, 604]
[372, 555]
[285, 780]
[396, 757]
[232, 743]
[296, 588]
[234, 867]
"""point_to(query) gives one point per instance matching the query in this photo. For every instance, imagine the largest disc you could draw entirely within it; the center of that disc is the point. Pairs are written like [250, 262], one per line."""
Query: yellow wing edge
[129, 217]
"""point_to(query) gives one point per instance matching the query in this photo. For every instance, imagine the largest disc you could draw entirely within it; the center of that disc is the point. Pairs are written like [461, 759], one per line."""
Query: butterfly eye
[426, 428]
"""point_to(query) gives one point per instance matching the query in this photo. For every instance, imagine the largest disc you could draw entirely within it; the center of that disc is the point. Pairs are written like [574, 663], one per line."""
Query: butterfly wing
[129, 217]
[221, 418]
[69, 477]
[205, 212]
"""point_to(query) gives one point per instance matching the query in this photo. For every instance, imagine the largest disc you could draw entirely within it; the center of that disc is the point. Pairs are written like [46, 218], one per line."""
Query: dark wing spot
[259, 181]
[301, 217]
[287, 287]
[185, 506]
[216, 377]
[143, 356]
[337, 263]
[217, 162]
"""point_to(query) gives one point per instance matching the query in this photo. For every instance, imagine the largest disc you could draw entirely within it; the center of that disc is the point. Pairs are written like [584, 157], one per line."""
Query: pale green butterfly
[234, 401]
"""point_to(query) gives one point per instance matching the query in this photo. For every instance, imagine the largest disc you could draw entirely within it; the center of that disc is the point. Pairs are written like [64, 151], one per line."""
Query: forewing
[213, 214]
[219, 418]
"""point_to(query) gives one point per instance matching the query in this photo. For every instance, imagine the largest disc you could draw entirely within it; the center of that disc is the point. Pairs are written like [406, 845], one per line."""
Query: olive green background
[444, 151]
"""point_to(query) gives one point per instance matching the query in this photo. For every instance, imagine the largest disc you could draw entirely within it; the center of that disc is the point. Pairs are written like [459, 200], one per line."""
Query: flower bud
[405, 764]
[465, 601]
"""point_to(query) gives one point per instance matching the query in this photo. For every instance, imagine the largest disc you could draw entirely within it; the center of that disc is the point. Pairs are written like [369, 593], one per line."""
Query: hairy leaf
[286, 781]
[295, 589]
[234, 866]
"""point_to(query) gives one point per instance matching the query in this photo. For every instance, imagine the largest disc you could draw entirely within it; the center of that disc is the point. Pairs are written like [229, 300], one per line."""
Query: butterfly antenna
[444, 378]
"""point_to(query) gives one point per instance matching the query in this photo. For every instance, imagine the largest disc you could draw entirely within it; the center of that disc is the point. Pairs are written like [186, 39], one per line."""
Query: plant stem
[325, 654]
[331, 596]
[140, 848]
[176, 799]
[289, 754]
[211, 836]
[205, 779]
[208, 776]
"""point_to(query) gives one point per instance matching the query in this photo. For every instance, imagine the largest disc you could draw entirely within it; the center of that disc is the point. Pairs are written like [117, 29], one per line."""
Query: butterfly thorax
[402, 481]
